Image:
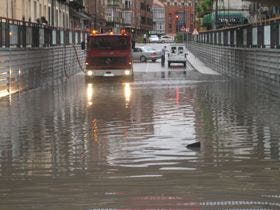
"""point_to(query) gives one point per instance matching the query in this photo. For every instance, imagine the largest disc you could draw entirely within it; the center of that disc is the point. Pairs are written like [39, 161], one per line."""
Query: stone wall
[23, 69]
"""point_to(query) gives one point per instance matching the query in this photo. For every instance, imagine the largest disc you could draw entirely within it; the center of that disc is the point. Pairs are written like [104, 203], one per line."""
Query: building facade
[179, 16]
[113, 14]
[259, 12]
[128, 13]
[146, 15]
[79, 18]
[57, 13]
[225, 13]
[96, 10]
[231, 12]
[52, 12]
[135, 14]
[158, 17]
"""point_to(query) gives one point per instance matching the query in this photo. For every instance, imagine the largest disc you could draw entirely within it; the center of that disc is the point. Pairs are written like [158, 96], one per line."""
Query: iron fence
[22, 34]
[261, 35]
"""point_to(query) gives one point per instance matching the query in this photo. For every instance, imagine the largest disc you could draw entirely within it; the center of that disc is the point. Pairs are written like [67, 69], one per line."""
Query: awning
[224, 17]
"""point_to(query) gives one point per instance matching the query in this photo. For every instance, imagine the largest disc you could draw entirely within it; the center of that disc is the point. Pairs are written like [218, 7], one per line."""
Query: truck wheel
[143, 59]
[185, 64]
[154, 60]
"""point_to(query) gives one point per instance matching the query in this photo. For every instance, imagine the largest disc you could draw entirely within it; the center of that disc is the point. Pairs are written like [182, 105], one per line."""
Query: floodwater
[83, 146]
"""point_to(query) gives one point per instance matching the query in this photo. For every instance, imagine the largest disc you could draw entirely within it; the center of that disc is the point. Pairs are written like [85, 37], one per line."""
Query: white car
[166, 39]
[177, 54]
[154, 39]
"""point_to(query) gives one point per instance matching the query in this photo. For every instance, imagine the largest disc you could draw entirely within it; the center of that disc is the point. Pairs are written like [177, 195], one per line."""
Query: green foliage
[179, 37]
[203, 7]
[199, 8]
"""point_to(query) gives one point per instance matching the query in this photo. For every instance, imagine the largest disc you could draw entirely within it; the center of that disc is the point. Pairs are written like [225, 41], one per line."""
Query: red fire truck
[109, 55]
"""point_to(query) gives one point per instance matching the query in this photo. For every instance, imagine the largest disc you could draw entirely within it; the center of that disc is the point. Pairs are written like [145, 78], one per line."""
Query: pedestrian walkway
[199, 65]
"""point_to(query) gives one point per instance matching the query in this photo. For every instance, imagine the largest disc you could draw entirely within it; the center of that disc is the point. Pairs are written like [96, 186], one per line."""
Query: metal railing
[264, 34]
[22, 34]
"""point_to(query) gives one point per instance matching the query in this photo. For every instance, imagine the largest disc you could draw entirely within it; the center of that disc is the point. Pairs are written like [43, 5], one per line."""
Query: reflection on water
[89, 93]
[127, 92]
[114, 145]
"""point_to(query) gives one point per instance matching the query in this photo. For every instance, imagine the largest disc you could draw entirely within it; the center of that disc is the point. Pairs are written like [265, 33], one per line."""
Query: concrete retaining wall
[23, 69]
[252, 64]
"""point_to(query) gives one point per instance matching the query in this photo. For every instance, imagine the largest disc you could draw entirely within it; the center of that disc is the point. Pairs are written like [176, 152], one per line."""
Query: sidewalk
[200, 66]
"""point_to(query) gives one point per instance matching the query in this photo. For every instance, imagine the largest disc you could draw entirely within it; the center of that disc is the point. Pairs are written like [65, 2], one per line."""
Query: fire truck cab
[109, 55]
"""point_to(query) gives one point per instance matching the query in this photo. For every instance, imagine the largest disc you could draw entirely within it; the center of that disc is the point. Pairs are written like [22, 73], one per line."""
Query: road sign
[195, 32]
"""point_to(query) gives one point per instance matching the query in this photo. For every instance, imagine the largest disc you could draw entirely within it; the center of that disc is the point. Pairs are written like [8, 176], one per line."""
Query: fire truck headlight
[127, 72]
[89, 73]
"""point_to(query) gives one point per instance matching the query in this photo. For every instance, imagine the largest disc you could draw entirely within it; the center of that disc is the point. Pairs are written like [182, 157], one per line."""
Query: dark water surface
[85, 146]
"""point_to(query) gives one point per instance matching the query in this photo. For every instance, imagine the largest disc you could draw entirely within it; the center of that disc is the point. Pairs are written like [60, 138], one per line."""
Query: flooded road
[82, 146]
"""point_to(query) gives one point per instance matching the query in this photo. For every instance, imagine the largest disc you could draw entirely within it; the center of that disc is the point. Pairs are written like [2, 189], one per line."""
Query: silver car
[145, 53]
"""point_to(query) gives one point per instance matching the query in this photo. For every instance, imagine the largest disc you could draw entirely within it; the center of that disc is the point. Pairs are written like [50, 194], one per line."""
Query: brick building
[179, 16]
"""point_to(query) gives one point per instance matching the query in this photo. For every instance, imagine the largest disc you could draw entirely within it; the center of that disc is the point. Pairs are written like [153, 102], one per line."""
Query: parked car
[145, 53]
[154, 39]
[166, 39]
[177, 54]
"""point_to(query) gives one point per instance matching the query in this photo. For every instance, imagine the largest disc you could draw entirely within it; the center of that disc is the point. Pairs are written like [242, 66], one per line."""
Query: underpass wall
[23, 69]
[257, 65]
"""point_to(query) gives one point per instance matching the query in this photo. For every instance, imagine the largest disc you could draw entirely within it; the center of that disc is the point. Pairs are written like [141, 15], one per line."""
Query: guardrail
[23, 34]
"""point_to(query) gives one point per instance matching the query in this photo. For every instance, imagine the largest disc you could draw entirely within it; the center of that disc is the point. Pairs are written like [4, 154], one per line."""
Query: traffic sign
[195, 32]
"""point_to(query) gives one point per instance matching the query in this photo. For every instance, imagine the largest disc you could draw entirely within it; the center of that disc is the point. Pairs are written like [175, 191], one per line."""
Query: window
[28, 14]
[45, 11]
[109, 43]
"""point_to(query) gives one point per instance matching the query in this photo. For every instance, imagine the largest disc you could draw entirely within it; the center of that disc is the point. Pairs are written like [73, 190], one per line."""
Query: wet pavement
[82, 146]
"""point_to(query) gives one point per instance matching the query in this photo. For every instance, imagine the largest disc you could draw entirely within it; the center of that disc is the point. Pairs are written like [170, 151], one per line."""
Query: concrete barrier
[257, 65]
[23, 69]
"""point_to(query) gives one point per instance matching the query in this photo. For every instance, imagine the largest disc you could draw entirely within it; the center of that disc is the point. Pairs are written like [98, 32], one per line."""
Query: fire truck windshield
[114, 42]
